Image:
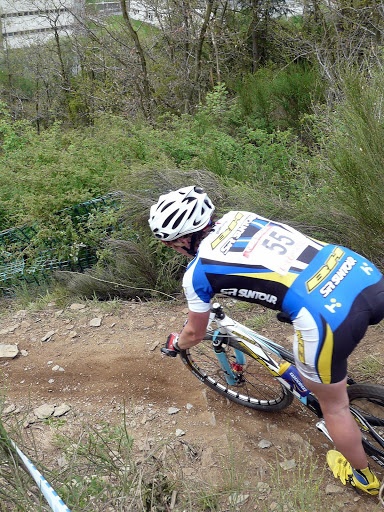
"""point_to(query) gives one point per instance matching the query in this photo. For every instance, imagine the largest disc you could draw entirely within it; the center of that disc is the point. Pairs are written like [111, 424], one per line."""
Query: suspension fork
[232, 371]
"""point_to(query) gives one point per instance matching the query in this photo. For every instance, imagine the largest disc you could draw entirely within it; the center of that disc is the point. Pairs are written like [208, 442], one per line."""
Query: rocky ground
[88, 364]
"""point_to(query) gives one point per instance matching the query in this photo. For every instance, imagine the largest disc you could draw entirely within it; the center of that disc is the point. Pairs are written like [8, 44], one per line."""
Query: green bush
[230, 147]
[278, 99]
[356, 153]
[134, 264]
[48, 172]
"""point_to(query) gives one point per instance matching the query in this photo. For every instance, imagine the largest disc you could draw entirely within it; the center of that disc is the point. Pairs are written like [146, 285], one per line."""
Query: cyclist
[330, 293]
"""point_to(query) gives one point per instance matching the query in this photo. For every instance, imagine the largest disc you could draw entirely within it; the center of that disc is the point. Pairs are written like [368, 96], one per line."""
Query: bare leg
[340, 423]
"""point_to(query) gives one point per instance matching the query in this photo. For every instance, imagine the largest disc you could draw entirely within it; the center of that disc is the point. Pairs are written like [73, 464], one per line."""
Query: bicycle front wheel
[254, 386]
[368, 400]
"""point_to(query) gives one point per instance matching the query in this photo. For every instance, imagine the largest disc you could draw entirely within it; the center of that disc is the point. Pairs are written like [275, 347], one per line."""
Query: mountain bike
[256, 372]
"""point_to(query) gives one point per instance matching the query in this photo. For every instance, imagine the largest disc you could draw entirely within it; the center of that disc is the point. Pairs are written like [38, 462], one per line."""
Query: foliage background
[273, 113]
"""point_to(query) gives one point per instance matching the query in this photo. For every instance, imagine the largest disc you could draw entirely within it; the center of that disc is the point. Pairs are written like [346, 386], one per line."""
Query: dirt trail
[99, 370]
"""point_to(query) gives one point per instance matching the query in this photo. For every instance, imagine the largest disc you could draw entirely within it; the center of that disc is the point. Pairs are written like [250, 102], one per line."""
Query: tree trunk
[199, 47]
[255, 35]
[145, 90]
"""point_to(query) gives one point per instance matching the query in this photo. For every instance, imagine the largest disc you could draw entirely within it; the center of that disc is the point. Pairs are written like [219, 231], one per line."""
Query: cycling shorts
[321, 353]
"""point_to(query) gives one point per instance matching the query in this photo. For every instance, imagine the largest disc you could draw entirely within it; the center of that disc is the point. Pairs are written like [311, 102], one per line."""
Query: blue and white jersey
[258, 260]
[249, 258]
[331, 293]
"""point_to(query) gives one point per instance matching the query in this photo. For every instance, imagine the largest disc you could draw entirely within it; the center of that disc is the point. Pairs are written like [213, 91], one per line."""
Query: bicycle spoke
[255, 386]
[368, 401]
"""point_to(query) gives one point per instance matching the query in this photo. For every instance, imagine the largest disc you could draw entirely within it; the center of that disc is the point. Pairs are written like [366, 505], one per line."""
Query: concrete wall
[137, 10]
[25, 22]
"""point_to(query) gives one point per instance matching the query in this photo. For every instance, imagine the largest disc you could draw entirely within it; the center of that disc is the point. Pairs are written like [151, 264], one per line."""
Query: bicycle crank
[321, 426]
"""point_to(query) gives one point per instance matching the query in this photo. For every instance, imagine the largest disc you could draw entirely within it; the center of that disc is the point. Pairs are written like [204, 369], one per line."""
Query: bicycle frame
[245, 340]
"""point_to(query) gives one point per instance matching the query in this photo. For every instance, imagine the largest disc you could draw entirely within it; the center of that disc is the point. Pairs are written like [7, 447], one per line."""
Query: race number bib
[275, 248]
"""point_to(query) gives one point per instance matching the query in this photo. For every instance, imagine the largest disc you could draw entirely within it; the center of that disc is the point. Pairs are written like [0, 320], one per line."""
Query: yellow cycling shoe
[362, 479]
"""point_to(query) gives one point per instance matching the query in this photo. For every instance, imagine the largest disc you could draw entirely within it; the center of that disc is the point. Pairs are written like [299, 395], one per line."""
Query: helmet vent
[162, 208]
[179, 213]
[168, 219]
[178, 221]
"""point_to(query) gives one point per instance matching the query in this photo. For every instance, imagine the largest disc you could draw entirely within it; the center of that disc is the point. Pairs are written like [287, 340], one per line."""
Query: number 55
[274, 246]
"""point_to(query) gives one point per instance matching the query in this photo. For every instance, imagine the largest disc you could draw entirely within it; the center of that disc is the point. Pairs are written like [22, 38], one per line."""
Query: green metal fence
[15, 268]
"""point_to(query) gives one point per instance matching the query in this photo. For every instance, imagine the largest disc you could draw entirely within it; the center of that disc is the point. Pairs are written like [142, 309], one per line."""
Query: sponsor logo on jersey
[249, 294]
[229, 230]
[237, 234]
[328, 267]
[333, 305]
[336, 279]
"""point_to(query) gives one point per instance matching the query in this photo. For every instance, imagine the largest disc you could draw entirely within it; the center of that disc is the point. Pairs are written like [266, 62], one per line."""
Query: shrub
[134, 264]
[356, 154]
[278, 99]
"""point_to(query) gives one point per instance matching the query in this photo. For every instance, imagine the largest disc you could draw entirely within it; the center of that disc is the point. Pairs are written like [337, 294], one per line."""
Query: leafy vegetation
[255, 104]
[304, 492]
[265, 169]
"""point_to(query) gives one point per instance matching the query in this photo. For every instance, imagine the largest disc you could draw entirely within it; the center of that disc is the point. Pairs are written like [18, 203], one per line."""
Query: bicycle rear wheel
[368, 400]
[255, 386]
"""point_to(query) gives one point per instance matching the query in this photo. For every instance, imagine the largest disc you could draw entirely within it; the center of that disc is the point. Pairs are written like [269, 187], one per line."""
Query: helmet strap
[192, 251]
[196, 237]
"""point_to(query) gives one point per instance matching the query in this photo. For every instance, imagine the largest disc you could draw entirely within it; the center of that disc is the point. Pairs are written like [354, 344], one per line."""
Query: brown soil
[117, 366]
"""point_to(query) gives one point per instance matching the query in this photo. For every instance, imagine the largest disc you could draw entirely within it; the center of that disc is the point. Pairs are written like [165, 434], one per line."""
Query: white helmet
[179, 213]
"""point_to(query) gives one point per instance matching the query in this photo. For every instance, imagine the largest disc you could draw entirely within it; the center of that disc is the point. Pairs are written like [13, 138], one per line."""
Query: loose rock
[48, 336]
[95, 322]
[238, 499]
[263, 487]
[44, 411]
[264, 444]
[333, 489]
[8, 351]
[288, 464]
[76, 306]
[61, 410]
[10, 329]
[8, 410]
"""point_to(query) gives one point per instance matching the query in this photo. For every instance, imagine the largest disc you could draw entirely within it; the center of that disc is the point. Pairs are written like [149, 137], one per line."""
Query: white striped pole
[53, 499]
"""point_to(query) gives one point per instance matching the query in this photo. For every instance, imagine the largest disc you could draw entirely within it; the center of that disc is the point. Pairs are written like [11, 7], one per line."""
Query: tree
[144, 90]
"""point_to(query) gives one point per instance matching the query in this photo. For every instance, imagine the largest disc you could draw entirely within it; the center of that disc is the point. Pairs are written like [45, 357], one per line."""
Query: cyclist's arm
[194, 330]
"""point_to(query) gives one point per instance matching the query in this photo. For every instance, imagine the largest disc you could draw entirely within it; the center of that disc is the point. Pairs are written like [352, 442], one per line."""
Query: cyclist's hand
[171, 347]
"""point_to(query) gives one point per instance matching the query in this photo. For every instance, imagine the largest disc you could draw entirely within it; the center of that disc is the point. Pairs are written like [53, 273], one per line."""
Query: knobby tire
[368, 400]
[256, 388]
